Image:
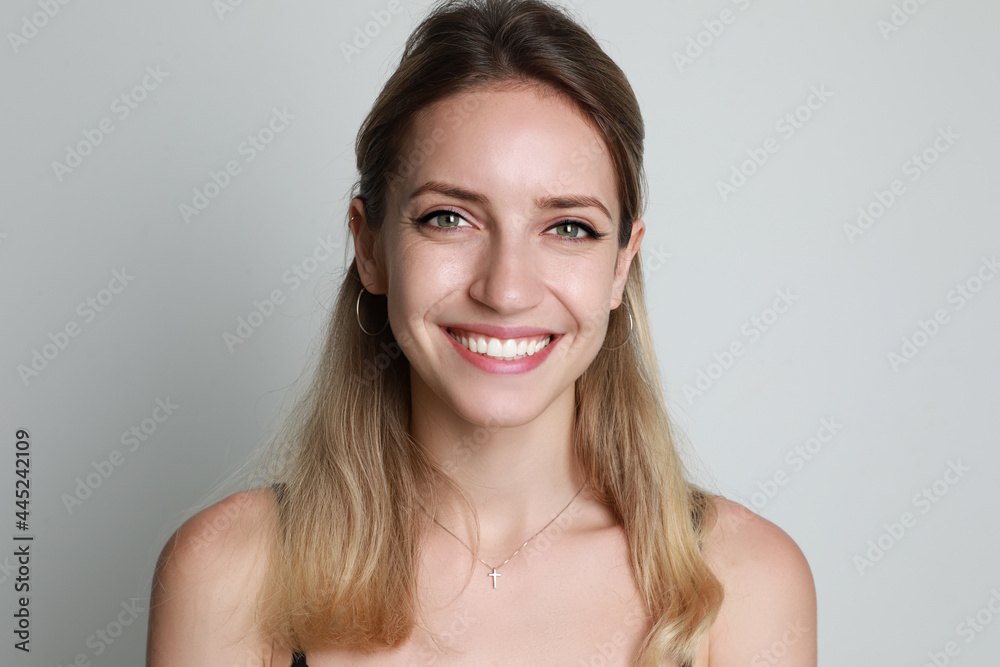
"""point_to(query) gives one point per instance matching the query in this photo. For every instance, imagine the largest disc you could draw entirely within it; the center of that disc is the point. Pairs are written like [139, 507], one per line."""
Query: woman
[483, 470]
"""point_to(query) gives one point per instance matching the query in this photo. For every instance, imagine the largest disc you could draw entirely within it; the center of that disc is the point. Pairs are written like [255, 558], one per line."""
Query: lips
[502, 365]
[500, 348]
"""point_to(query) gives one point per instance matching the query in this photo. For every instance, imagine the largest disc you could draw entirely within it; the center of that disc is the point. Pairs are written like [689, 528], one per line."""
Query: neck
[518, 477]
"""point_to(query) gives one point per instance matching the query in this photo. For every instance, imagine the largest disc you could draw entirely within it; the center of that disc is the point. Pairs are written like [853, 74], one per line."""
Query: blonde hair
[342, 566]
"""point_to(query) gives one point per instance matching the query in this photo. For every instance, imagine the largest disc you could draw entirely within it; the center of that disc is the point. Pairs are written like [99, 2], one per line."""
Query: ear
[367, 250]
[625, 256]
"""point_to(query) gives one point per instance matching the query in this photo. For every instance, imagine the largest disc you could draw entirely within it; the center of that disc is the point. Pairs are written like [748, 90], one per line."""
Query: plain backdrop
[836, 162]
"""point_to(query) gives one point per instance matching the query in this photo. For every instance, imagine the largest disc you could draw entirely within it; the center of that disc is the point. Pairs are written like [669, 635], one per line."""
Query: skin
[504, 261]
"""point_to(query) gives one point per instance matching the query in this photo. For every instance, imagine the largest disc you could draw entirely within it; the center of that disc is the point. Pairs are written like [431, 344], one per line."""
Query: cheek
[595, 321]
[588, 298]
[420, 283]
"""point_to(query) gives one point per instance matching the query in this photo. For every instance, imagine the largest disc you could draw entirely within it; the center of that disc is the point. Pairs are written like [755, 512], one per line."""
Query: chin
[486, 411]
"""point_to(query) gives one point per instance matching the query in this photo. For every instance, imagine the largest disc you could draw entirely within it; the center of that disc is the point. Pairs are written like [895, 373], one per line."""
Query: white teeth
[502, 349]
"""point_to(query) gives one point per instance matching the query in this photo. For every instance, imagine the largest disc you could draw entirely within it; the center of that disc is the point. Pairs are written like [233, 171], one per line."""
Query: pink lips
[500, 366]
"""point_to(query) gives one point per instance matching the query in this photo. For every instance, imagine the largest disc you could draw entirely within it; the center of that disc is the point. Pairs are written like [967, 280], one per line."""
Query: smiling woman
[502, 488]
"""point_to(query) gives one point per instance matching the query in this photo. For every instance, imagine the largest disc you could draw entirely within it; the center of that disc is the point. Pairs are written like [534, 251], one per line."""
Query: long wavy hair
[342, 567]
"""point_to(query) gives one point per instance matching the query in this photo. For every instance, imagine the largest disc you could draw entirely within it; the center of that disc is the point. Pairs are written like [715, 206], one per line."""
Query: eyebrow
[556, 202]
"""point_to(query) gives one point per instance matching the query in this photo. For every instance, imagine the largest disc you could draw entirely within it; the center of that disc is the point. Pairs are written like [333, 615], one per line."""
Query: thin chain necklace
[494, 574]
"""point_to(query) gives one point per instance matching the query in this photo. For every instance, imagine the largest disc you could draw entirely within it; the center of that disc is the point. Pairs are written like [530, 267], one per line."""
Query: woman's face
[488, 225]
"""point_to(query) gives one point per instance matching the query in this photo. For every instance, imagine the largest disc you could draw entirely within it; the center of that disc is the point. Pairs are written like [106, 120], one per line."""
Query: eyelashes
[587, 229]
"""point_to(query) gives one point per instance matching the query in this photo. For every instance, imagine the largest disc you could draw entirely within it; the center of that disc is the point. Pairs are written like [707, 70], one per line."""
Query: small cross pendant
[494, 574]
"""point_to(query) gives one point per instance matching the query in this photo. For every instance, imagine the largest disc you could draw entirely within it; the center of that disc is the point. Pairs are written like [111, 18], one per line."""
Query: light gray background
[712, 264]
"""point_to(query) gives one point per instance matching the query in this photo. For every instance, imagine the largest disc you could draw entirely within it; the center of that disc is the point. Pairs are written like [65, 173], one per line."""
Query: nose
[507, 278]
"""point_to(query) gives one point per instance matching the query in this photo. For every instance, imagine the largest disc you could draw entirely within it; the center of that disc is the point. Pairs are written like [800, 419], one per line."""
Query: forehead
[514, 144]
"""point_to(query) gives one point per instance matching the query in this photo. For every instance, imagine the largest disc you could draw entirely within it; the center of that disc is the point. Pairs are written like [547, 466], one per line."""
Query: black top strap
[279, 490]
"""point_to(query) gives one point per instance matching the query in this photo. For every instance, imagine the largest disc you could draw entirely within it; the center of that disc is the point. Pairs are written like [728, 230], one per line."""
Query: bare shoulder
[234, 527]
[206, 581]
[769, 611]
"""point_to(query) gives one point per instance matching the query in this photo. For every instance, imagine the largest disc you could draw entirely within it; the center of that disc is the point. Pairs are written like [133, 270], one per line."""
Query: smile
[509, 349]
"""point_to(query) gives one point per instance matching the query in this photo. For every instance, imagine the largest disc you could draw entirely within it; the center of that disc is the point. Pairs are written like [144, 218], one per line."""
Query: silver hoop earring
[630, 325]
[357, 310]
